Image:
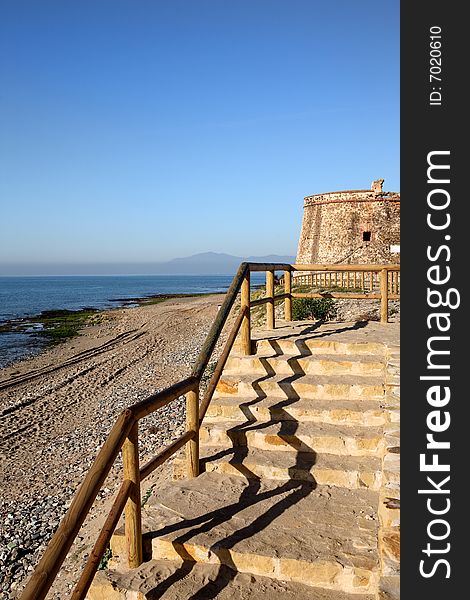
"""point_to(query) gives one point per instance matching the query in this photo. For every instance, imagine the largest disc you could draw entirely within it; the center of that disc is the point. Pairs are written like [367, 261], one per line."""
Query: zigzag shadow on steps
[293, 490]
[313, 329]
[305, 457]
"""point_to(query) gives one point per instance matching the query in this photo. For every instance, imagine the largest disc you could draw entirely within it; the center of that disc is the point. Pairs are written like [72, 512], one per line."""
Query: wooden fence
[124, 436]
[347, 280]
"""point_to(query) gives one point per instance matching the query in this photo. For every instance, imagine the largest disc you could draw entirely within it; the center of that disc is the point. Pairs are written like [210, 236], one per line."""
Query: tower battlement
[351, 227]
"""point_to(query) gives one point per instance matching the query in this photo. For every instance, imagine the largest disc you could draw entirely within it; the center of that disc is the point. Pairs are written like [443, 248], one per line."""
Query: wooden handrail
[267, 300]
[219, 322]
[152, 403]
[323, 267]
[102, 542]
[165, 454]
[351, 296]
[62, 540]
[269, 266]
[220, 365]
[124, 434]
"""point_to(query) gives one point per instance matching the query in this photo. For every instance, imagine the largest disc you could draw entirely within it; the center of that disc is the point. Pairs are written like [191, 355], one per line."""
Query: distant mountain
[205, 263]
[271, 258]
[213, 263]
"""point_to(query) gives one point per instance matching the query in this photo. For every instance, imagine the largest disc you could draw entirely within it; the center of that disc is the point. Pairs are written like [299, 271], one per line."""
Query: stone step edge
[109, 584]
[331, 442]
[329, 362]
[306, 386]
[348, 412]
[327, 574]
[255, 465]
[370, 358]
[335, 379]
[321, 476]
[327, 347]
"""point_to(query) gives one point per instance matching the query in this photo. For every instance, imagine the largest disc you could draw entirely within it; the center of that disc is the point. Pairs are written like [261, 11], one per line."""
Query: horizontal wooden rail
[352, 296]
[220, 365]
[165, 454]
[160, 399]
[268, 266]
[366, 268]
[261, 301]
[219, 322]
[61, 541]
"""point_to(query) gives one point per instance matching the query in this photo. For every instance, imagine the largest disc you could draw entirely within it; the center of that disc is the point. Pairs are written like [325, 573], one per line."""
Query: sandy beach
[57, 408]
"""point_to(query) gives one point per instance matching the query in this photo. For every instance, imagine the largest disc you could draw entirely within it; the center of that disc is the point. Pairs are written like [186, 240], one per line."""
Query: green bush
[321, 309]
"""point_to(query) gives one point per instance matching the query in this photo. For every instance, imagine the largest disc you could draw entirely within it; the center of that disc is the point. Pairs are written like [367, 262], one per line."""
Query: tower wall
[350, 227]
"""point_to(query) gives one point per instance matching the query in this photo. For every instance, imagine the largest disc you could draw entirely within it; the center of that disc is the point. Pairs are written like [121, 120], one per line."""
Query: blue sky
[142, 131]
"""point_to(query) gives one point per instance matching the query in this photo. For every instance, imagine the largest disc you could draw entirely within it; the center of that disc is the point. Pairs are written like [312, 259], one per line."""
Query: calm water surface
[28, 296]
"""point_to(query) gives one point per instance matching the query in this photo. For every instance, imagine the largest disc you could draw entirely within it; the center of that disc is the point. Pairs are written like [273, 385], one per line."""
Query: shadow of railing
[309, 329]
[291, 491]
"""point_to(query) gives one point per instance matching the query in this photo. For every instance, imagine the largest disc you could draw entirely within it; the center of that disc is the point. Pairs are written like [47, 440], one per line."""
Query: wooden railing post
[384, 296]
[133, 516]
[288, 292]
[245, 335]
[270, 294]
[192, 424]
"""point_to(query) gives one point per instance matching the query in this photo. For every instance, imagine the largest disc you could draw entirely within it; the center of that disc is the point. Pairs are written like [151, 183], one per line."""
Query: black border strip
[430, 124]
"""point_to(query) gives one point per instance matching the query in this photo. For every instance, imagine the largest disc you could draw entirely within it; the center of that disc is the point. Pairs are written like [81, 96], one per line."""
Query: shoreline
[51, 327]
[123, 302]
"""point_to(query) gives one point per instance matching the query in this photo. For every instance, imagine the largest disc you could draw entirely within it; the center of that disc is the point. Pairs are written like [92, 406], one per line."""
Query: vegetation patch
[105, 559]
[60, 325]
[150, 301]
[147, 495]
[55, 325]
[321, 309]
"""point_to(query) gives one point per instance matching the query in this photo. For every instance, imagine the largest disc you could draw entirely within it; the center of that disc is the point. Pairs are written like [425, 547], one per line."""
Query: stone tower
[351, 227]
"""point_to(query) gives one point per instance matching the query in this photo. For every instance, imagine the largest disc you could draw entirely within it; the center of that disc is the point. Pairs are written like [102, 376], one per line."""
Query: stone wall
[351, 227]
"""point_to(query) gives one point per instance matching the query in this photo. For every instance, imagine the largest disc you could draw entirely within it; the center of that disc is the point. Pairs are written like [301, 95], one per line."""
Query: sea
[22, 297]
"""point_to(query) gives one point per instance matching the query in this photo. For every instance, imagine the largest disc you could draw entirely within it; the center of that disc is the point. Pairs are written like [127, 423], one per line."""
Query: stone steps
[353, 472]
[313, 387]
[311, 345]
[315, 364]
[322, 536]
[299, 459]
[340, 411]
[179, 580]
[292, 436]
